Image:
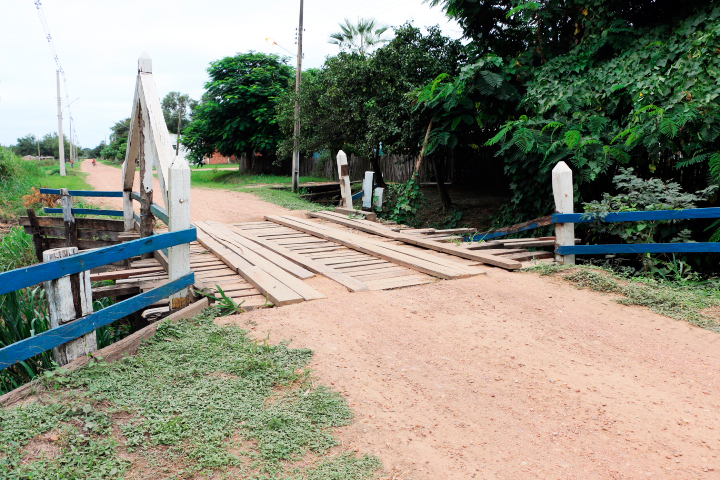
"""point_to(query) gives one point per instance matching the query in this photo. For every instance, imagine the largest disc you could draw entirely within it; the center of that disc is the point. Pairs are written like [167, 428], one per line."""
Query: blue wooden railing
[25, 277]
[651, 215]
[156, 209]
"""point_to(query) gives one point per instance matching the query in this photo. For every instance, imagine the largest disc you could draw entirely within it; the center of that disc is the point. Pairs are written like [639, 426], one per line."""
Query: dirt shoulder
[512, 376]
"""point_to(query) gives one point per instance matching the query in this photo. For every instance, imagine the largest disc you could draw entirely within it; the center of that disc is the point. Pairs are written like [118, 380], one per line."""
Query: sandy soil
[206, 204]
[503, 376]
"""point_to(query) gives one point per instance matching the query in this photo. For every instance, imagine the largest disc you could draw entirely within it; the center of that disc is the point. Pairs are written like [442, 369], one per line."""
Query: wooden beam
[82, 223]
[356, 242]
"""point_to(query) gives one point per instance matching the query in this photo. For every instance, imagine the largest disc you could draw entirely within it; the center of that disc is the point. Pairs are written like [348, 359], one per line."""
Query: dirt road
[504, 376]
[206, 204]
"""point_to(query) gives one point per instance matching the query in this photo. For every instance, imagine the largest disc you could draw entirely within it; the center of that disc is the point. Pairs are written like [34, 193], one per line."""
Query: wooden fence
[395, 168]
[65, 272]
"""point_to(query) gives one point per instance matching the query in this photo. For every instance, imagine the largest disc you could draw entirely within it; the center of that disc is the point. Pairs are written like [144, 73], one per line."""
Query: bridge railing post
[179, 219]
[563, 191]
[67, 304]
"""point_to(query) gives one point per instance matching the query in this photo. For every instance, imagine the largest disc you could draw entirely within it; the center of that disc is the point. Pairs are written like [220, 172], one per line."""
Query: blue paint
[362, 192]
[88, 211]
[638, 216]
[699, 247]
[156, 209]
[32, 346]
[28, 276]
[490, 235]
[81, 193]
[160, 213]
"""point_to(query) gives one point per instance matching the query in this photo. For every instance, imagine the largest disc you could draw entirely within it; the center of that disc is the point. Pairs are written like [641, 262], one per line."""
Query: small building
[219, 159]
[35, 157]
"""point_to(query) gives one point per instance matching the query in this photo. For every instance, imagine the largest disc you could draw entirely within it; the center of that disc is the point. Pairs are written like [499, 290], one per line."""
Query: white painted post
[179, 219]
[379, 197]
[562, 183]
[368, 189]
[62, 307]
[61, 145]
[128, 211]
[344, 179]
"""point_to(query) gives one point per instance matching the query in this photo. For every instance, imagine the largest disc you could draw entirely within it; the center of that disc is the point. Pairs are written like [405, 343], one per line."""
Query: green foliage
[199, 400]
[16, 250]
[637, 194]
[403, 202]
[118, 142]
[356, 101]
[601, 84]
[237, 113]
[359, 37]
[177, 106]
[49, 146]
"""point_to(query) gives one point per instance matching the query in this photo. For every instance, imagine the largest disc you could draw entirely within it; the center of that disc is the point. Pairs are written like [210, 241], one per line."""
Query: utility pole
[296, 131]
[71, 141]
[60, 132]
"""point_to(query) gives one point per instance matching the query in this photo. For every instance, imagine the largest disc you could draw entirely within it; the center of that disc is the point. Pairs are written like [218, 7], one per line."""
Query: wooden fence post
[563, 191]
[64, 309]
[179, 219]
[147, 221]
[368, 190]
[128, 212]
[344, 178]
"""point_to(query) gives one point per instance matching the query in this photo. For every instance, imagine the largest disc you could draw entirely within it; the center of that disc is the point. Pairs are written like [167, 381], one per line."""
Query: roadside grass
[683, 300]
[223, 178]
[74, 179]
[196, 400]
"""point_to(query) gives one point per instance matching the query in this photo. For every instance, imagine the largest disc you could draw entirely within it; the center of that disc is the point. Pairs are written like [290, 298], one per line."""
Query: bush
[403, 201]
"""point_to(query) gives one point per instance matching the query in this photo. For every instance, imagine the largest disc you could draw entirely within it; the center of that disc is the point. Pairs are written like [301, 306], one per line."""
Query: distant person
[94, 162]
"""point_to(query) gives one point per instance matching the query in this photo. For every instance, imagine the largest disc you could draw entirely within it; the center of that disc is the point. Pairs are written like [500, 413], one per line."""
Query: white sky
[98, 43]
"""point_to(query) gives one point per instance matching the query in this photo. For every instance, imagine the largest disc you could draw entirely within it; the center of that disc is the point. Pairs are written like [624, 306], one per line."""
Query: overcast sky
[98, 43]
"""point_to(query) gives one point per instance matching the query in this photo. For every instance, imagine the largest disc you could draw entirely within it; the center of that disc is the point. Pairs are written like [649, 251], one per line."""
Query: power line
[56, 58]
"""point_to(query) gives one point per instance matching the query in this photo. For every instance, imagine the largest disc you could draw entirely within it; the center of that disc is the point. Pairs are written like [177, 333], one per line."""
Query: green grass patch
[74, 179]
[681, 300]
[197, 400]
[223, 178]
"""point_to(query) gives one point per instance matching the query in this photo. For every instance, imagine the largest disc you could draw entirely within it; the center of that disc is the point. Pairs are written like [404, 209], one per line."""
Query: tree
[237, 113]
[355, 101]
[359, 37]
[117, 148]
[601, 84]
[176, 106]
[49, 145]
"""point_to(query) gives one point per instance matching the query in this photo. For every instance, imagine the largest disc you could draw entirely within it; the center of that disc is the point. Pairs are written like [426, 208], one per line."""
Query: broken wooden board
[371, 247]
[349, 211]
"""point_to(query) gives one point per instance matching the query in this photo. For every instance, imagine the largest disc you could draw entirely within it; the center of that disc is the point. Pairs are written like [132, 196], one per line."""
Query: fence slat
[88, 211]
[695, 247]
[687, 214]
[32, 346]
[28, 276]
[82, 193]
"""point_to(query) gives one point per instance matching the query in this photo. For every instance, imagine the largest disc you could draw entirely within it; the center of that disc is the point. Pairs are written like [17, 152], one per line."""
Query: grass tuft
[679, 300]
[197, 400]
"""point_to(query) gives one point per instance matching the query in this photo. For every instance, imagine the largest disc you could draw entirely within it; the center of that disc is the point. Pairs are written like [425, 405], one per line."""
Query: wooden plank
[83, 193]
[83, 223]
[277, 292]
[81, 244]
[399, 282]
[650, 215]
[114, 291]
[521, 257]
[263, 252]
[28, 276]
[695, 247]
[359, 263]
[349, 211]
[520, 227]
[62, 334]
[225, 235]
[317, 267]
[463, 252]
[88, 211]
[364, 245]
[118, 274]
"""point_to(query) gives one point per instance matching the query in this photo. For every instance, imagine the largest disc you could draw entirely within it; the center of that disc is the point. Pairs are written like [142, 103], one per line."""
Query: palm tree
[359, 37]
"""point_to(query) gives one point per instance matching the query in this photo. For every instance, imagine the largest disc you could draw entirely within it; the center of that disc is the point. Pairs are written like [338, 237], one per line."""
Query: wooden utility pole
[296, 131]
[60, 132]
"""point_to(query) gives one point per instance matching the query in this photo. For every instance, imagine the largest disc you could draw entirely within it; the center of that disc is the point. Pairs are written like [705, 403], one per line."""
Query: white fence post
[179, 219]
[368, 190]
[344, 179]
[379, 198]
[63, 309]
[128, 216]
[563, 191]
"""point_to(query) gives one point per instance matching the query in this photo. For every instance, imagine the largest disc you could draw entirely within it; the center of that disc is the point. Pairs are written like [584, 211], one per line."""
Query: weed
[681, 300]
[208, 397]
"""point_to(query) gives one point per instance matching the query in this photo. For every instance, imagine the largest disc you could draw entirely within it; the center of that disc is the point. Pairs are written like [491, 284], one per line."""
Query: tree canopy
[49, 145]
[177, 106]
[237, 113]
[359, 37]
